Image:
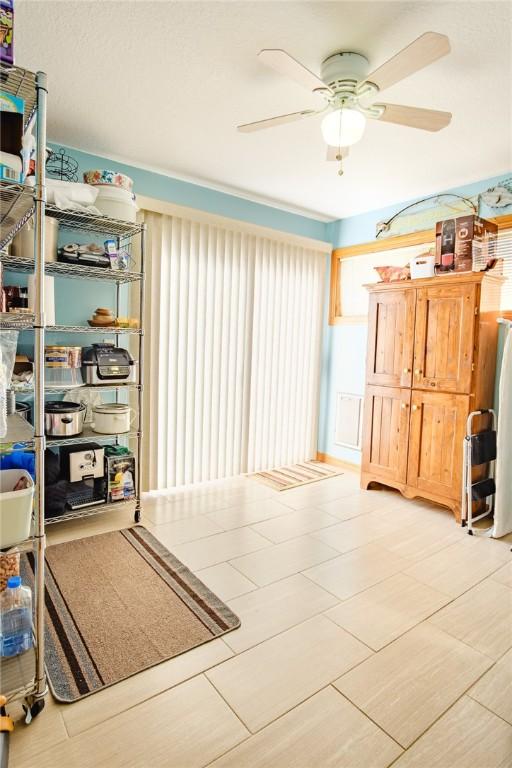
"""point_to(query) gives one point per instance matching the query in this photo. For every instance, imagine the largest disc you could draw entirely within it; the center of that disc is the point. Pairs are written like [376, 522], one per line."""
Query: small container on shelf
[9, 566]
[63, 366]
[58, 356]
[16, 499]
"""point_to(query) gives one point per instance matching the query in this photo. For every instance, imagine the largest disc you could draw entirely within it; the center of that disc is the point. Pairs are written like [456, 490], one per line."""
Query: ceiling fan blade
[286, 65]
[420, 53]
[270, 122]
[334, 153]
[414, 117]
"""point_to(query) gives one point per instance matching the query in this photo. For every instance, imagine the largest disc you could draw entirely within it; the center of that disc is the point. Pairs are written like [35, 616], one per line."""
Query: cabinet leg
[457, 512]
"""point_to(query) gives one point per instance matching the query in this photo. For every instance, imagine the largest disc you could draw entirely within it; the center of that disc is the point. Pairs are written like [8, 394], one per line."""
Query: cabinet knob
[415, 408]
[407, 370]
[404, 405]
[417, 371]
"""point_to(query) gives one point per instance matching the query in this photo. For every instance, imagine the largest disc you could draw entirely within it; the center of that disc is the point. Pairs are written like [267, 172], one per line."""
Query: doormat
[283, 478]
[116, 604]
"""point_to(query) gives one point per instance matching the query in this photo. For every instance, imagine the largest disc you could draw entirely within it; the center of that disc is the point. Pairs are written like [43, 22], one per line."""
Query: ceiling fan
[350, 92]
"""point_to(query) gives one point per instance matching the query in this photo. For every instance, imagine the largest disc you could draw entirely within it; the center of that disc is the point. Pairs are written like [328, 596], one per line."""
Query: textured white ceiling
[163, 85]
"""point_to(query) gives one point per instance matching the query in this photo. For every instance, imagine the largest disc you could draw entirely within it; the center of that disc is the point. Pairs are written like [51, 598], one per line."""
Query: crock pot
[63, 419]
[112, 418]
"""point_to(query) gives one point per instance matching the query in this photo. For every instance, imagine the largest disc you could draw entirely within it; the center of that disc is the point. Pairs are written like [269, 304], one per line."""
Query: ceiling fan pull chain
[339, 157]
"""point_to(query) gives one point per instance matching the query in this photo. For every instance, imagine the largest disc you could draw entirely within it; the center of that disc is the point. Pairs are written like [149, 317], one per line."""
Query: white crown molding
[194, 214]
[207, 184]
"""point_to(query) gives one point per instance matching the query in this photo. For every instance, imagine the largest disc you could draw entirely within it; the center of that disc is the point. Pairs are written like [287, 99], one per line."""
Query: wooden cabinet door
[385, 434]
[437, 428]
[444, 336]
[390, 338]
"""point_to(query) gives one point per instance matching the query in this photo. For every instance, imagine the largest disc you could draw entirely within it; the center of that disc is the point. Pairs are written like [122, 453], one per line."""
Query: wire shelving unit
[18, 202]
[24, 676]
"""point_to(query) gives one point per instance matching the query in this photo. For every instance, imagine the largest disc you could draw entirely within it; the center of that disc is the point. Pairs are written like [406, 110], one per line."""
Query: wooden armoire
[430, 361]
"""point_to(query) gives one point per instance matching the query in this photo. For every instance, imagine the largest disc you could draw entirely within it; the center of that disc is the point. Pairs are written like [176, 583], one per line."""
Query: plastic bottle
[15, 618]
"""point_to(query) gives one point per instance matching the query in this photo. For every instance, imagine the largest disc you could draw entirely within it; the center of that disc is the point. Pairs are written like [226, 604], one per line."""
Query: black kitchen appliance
[107, 364]
[81, 479]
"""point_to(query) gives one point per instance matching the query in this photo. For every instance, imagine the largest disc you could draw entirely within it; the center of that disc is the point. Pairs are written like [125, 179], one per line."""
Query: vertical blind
[232, 377]
[286, 343]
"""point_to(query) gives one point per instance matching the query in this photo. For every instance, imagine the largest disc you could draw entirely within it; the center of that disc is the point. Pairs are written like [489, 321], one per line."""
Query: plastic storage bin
[15, 508]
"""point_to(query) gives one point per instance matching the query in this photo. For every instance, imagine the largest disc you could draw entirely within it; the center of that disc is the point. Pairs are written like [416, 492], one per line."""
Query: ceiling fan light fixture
[343, 127]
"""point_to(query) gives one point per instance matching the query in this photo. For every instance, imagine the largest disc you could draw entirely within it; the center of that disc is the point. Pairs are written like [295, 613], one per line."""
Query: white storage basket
[422, 266]
[15, 508]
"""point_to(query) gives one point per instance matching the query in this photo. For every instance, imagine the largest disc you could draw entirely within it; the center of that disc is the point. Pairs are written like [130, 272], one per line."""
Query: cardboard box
[465, 244]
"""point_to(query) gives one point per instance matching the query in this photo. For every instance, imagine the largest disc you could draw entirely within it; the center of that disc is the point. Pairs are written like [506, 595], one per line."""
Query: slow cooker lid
[111, 408]
[58, 406]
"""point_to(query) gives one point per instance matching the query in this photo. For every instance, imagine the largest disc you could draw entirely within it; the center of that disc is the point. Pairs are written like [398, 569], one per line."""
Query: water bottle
[15, 618]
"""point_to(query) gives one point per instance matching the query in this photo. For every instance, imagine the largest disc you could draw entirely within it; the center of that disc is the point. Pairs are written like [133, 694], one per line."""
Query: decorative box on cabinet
[430, 362]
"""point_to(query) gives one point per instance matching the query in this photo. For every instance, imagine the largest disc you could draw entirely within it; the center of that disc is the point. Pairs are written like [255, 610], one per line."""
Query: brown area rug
[118, 603]
[283, 478]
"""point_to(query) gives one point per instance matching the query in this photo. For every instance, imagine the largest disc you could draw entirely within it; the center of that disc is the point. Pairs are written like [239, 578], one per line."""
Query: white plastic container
[422, 266]
[15, 508]
[116, 202]
[112, 418]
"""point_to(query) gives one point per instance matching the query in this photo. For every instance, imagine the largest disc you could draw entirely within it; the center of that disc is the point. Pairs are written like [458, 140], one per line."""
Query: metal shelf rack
[61, 269]
[57, 389]
[18, 203]
[24, 676]
[110, 330]
[18, 431]
[90, 511]
[91, 222]
[87, 435]
[16, 321]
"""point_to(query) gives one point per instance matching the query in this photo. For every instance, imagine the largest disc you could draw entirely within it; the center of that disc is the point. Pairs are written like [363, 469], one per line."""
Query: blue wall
[344, 351]
[164, 187]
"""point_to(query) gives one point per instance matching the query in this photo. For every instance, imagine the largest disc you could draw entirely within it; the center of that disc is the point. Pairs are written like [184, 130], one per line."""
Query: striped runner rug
[116, 604]
[283, 478]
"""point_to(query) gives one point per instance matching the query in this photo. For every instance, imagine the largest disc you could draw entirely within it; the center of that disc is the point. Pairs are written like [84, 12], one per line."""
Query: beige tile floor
[375, 632]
